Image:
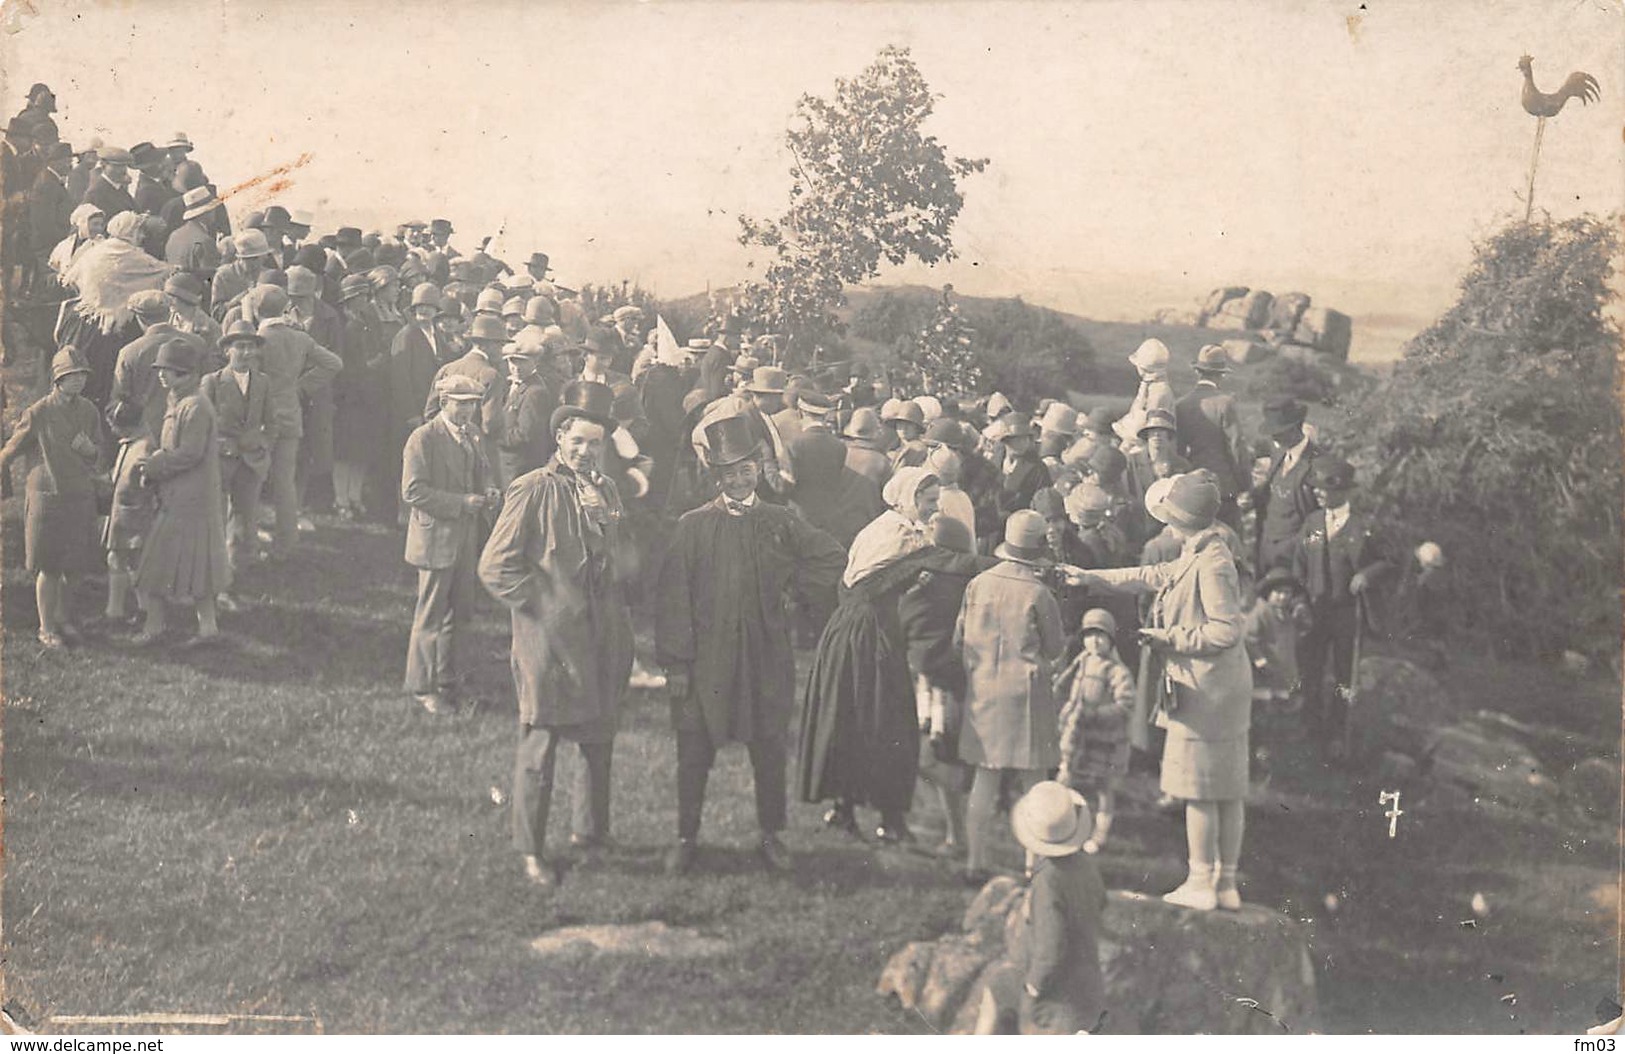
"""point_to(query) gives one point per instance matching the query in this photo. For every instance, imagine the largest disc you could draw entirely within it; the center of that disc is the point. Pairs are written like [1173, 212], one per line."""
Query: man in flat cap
[628, 333]
[722, 633]
[557, 558]
[109, 189]
[446, 482]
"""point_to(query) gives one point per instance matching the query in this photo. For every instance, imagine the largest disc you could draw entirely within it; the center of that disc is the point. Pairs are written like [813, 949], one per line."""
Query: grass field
[272, 827]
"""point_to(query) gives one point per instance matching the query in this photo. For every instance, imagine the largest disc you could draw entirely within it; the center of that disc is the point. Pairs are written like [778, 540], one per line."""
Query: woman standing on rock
[1196, 631]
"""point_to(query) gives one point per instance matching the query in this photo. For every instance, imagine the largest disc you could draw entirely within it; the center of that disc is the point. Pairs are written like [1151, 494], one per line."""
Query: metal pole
[1534, 163]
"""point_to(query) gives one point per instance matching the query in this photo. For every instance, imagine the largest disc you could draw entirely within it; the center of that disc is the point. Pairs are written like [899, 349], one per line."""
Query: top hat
[1282, 414]
[1213, 359]
[591, 400]
[67, 361]
[179, 354]
[865, 424]
[767, 380]
[1332, 472]
[197, 202]
[1025, 538]
[1052, 820]
[240, 331]
[728, 441]
[1190, 500]
[1059, 418]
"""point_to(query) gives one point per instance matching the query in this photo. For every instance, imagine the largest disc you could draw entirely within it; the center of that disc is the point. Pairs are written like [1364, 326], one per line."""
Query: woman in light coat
[1010, 636]
[1196, 627]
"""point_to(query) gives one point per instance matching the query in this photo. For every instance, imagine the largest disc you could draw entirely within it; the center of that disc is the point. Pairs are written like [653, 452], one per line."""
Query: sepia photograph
[808, 517]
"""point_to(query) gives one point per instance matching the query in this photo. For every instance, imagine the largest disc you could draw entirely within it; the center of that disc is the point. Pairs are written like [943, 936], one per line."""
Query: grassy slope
[274, 828]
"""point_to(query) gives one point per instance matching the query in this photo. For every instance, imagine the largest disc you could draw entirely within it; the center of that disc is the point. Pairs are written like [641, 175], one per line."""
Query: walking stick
[1354, 673]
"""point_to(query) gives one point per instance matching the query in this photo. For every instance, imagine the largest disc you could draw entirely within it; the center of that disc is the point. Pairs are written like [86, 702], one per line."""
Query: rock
[1247, 352]
[1219, 297]
[1226, 321]
[1325, 330]
[1487, 762]
[1286, 311]
[1397, 706]
[1167, 970]
[1254, 308]
[1299, 353]
[1594, 782]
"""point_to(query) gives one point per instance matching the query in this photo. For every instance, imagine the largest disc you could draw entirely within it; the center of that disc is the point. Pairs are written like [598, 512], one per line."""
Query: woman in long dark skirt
[859, 732]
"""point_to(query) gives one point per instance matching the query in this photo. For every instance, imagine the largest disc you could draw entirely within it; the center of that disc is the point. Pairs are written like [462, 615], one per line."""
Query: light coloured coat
[1009, 635]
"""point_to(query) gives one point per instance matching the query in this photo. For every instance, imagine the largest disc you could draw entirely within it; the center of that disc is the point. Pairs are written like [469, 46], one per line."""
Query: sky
[1140, 153]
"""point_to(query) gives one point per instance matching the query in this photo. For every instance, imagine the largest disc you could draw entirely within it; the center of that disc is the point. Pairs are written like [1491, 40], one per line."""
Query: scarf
[106, 274]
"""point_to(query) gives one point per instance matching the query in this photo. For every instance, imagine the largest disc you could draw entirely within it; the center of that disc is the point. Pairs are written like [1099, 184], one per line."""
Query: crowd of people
[1002, 602]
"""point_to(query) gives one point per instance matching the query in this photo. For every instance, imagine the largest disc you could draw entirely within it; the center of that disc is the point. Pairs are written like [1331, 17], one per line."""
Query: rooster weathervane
[1541, 105]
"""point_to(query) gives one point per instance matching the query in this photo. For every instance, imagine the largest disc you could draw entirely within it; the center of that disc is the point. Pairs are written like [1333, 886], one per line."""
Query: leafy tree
[868, 186]
[944, 353]
[1498, 436]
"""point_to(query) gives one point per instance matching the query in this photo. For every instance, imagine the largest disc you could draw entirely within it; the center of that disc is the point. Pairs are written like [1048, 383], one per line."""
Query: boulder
[1594, 783]
[1397, 706]
[1326, 330]
[1255, 308]
[1286, 311]
[1299, 353]
[1486, 761]
[1247, 352]
[1219, 297]
[1168, 970]
[1227, 320]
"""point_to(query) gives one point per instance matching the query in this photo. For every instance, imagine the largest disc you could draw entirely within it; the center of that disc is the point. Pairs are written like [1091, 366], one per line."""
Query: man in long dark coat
[1210, 430]
[1287, 496]
[722, 633]
[556, 557]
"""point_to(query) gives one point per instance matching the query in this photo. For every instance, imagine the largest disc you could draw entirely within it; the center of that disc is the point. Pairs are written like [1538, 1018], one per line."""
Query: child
[1054, 984]
[64, 434]
[1094, 721]
[1273, 626]
[133, 510]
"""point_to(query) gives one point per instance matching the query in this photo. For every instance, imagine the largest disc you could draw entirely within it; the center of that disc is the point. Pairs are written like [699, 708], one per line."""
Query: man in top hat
[558, 558]
[240, 392]
[191, 247]
[297, 368]
[722, 634]
[1210, 430]
[108, 190]
[1337, 561]
[482, 363]
[251, 257]
[1287, 496]
[447, 483]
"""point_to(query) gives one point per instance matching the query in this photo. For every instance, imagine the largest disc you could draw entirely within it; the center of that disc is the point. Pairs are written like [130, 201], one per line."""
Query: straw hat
[1052, 819]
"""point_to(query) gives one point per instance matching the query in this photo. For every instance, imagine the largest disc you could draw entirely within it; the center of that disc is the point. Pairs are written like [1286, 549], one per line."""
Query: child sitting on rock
[1052, 984]
[1094, 721]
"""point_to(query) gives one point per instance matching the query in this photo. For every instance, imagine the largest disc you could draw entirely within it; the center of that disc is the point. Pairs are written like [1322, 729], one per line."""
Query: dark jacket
[1325, 565]
[1284, 503]
[1062, 943]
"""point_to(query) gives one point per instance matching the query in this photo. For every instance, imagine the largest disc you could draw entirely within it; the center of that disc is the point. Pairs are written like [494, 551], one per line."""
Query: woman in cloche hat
[1197, 629]
[185, 555]
[63, 434]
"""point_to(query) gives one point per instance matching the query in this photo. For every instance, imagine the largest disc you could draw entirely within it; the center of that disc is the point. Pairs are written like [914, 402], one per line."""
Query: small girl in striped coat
[1094, 721]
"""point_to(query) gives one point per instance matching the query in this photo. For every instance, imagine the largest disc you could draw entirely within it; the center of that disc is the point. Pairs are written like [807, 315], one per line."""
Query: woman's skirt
[1204, 769]
[59, 532]
[185, 555]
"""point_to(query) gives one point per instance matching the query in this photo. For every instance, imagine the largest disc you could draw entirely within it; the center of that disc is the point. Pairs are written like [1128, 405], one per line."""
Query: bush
[1311, 381]
[1498, 436]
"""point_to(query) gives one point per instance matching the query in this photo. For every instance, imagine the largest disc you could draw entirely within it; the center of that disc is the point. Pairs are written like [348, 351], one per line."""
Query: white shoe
[306, 524]
[642, 678]
[1197, 897]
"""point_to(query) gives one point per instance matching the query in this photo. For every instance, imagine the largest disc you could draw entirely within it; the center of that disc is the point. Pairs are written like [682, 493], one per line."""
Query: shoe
[642, 678]
[775, 855]
[51, 640]
[683, 857]
[1229, 899]
[306, 525]
[346, 513]
[898, 834]
[1193, 896]
[840, 818]
[433, 703]
[539, 874]
[227, 603]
